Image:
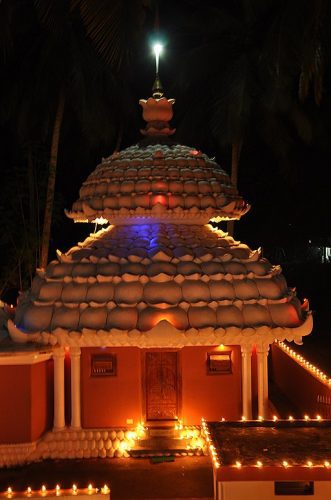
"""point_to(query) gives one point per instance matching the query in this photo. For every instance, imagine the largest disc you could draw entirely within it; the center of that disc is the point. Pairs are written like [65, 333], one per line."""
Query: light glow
[312, 369]
[259, 464]
[140, 430]
[211, 447]
[105, 489]
[49, 493]
[123, 446]
[157, 49]
[100, 220]
[179, 425]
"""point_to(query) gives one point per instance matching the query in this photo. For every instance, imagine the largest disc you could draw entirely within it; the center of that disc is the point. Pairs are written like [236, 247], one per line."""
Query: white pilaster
[262, 379]
[246, 380]
[75, 387]
[59, 415]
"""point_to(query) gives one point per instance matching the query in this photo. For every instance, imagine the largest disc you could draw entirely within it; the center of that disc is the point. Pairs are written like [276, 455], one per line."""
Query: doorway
[161, 385]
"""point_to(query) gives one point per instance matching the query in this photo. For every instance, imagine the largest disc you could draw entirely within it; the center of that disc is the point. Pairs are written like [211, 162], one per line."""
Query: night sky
[217, 54]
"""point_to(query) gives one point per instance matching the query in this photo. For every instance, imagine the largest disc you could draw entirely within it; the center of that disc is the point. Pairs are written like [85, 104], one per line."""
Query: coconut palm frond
[7, 10]
[302, 123]
[313, 59]
[54, 15]
[112, 26]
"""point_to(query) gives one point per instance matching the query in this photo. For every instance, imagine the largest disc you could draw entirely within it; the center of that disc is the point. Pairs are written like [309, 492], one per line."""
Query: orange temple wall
[119, 400]
[209, 396]
[110, 401]
[116, 401]
[26, 402]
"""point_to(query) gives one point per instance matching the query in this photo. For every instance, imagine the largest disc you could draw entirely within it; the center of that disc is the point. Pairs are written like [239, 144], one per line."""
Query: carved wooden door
[161, 386]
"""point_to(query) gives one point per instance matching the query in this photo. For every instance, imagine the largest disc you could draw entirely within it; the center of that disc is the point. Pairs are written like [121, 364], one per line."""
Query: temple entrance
[161, 372]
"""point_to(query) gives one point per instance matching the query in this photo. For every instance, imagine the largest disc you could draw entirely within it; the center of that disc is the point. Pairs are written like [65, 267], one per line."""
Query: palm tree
[67, 72]
[245, 72]
[230, 72]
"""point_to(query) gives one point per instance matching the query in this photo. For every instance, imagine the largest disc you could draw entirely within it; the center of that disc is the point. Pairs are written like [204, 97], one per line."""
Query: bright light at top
[157, 49]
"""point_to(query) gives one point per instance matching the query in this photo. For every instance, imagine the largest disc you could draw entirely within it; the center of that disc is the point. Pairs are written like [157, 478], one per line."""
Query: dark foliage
[254, 71]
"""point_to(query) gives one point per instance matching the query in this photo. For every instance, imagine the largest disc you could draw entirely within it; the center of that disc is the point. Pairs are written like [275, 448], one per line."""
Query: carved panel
[161, 385]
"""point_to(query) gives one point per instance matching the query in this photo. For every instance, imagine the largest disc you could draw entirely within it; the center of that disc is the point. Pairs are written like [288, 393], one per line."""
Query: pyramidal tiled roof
[126, 279]
[165, 182]
[159, 276]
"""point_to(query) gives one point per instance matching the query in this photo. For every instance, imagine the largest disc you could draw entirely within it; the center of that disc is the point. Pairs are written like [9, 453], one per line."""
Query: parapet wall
[308, 393]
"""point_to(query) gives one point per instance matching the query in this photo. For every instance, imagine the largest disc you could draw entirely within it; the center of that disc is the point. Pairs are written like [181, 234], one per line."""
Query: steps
[162, 442]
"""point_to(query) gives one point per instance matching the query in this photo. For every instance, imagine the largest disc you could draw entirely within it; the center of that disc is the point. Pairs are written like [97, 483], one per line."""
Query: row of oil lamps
[58, 491]
[305, 418]
[305, 364]
[211, 447]
[286, 464]
[213, 453]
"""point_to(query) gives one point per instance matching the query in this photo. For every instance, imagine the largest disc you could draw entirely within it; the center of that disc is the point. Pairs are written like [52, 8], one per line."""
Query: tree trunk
[51, 181]
[236, 149]
[119, 137]
[32, 225]
[32, 208]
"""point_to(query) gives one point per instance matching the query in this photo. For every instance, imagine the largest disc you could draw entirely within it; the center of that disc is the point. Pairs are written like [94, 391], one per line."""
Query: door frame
[144, 384]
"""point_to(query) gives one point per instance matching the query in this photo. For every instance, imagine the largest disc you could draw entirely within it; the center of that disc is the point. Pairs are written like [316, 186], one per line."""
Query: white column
[262, 379]
[246, 380]
[75, 387]
[59, 415]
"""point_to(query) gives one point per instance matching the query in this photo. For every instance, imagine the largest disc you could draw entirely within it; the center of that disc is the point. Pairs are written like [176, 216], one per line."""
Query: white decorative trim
[24, 358]
[136, 219]
[75, 353]
[20, 337]
[246, 380]
[160, 214]
[59, 389]
[16, 454]
[84, 443]
[262, 379]
[166, 335]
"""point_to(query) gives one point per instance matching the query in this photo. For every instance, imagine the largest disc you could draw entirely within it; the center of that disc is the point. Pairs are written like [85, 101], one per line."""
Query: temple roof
[160, 276]
[122, 282]
[163, 182]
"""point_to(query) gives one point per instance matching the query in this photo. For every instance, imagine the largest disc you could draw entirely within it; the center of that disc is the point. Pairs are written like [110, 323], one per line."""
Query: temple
[159, 318]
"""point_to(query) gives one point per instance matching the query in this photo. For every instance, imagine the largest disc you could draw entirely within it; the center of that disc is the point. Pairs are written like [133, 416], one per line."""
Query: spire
[157, 88]
[157, 110]
[157, 85]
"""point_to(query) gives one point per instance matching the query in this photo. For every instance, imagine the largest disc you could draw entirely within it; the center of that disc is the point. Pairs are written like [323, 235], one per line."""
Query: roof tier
[128, 279]
[165, 183]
